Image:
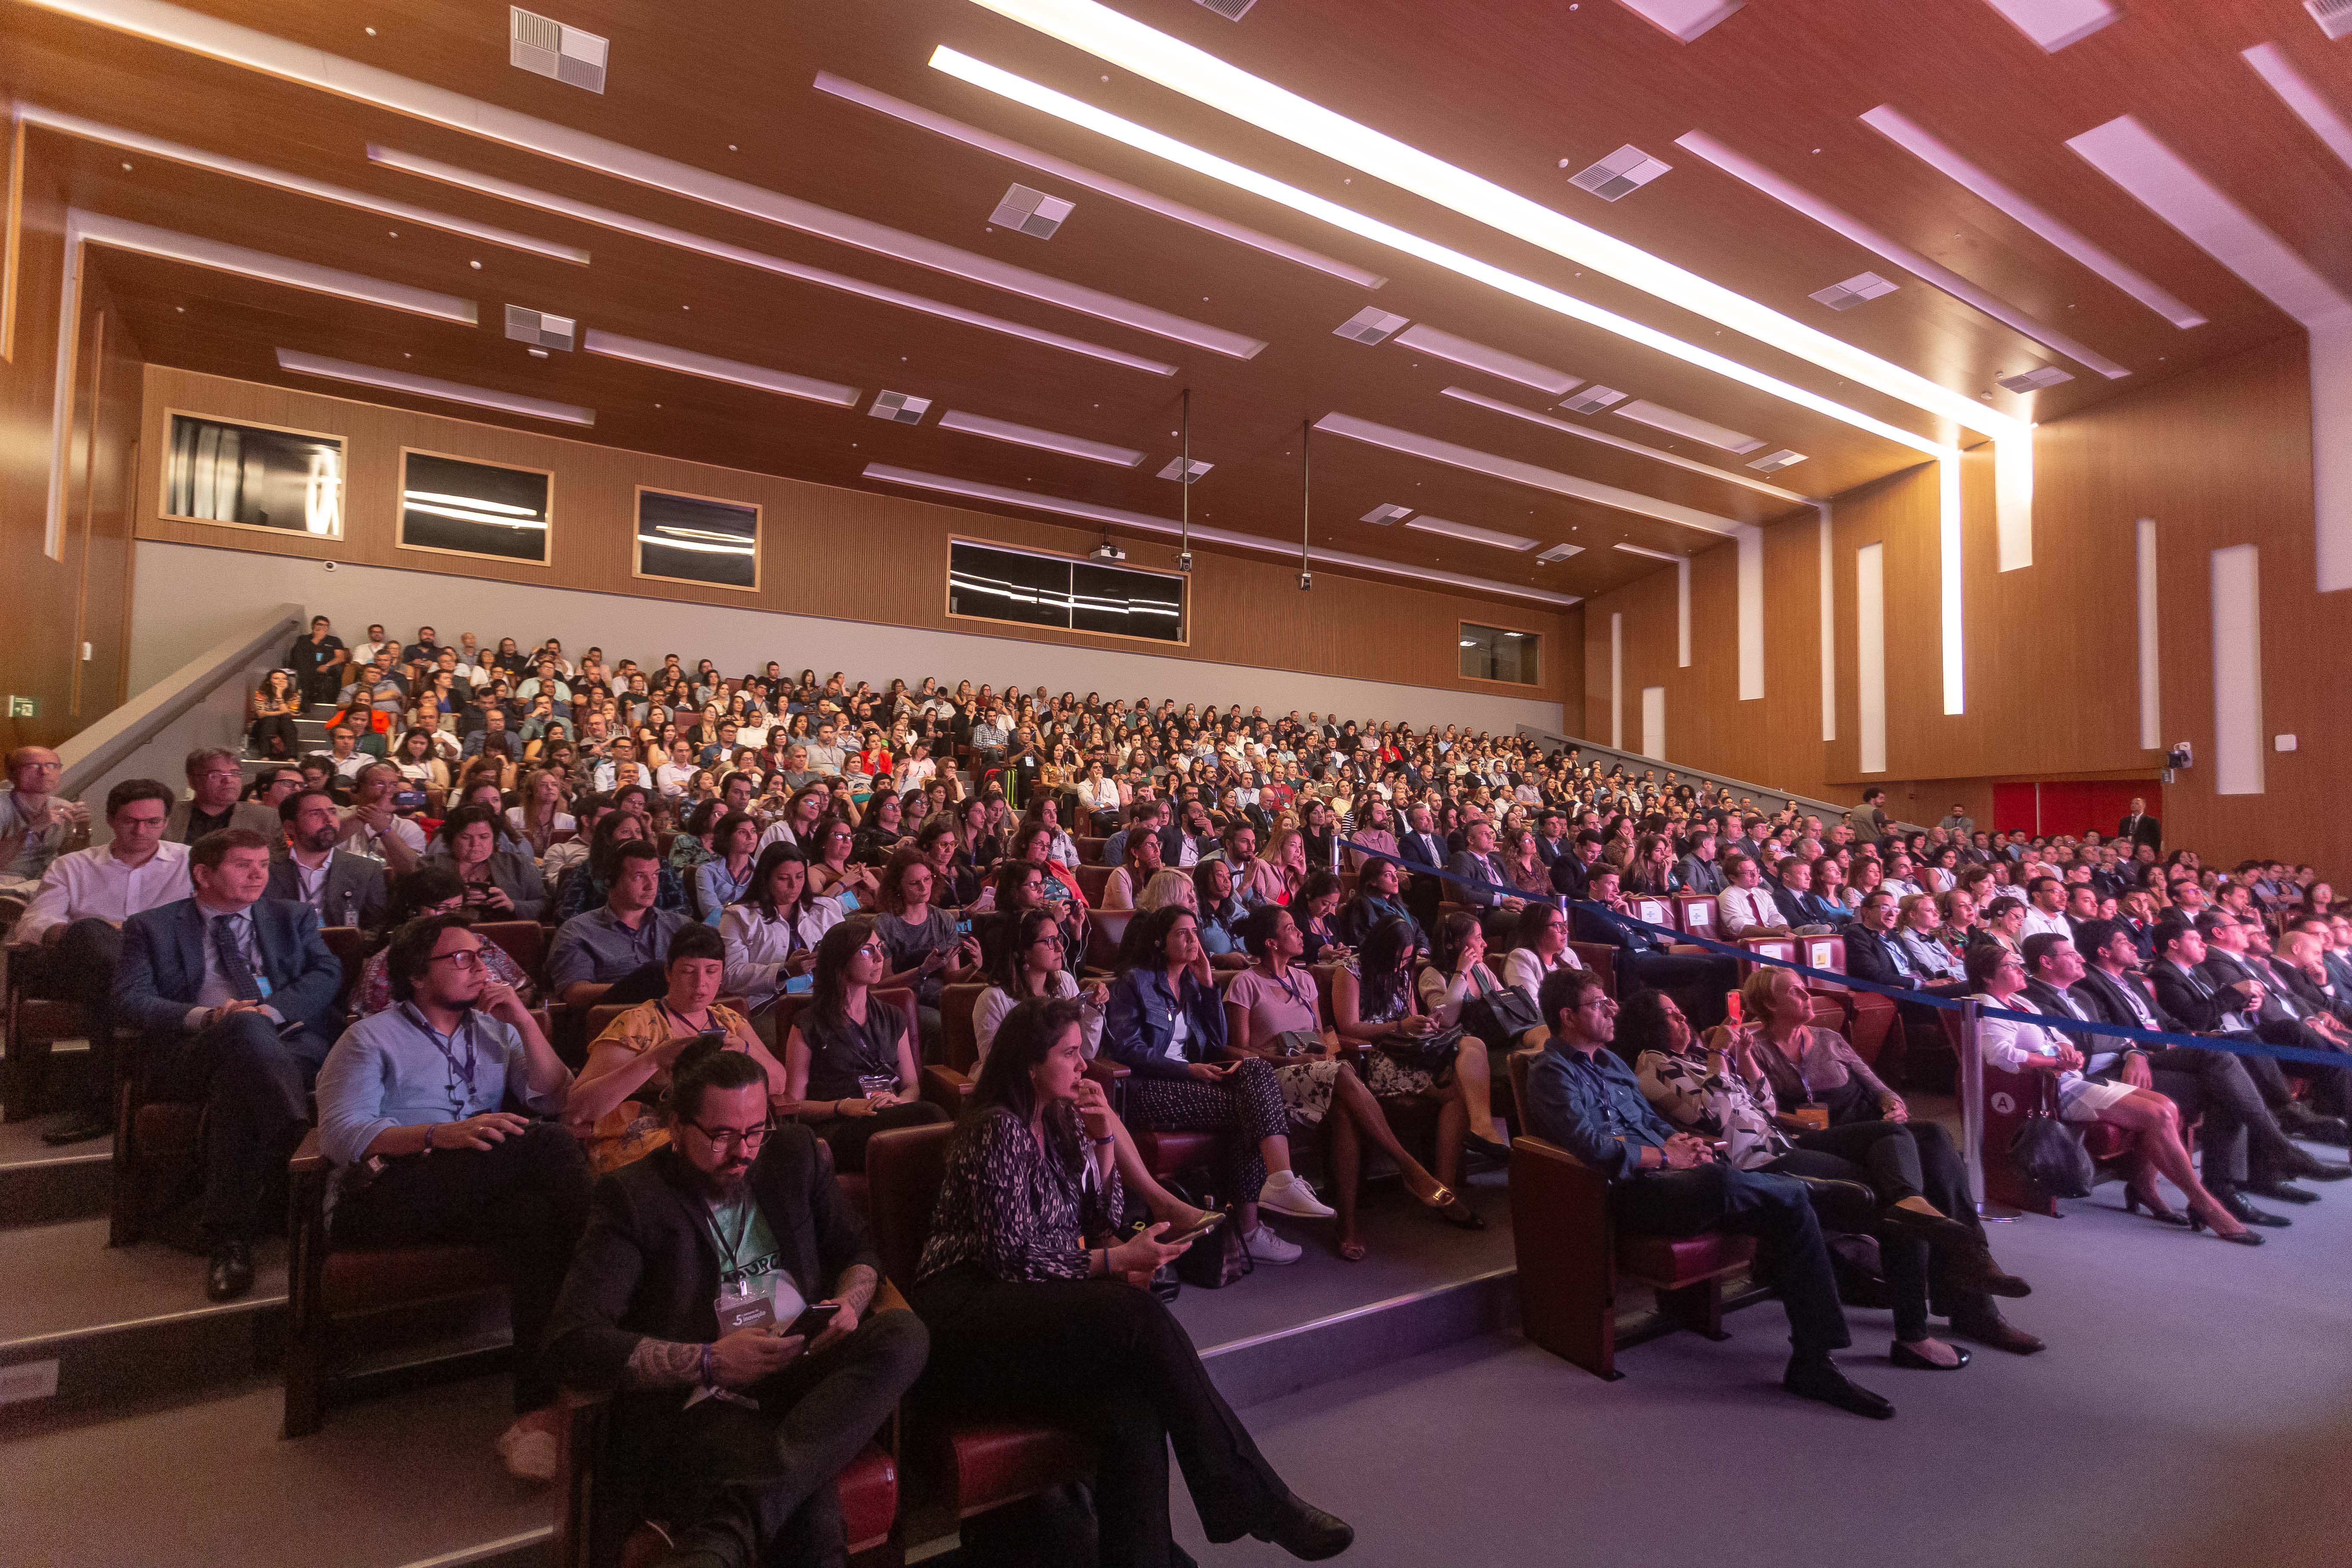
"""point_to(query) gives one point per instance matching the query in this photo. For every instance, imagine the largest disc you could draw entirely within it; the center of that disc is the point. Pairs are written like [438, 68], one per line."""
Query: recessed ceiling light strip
[260, 174]
[208, 35]
[1472, 534]
[1045, 440]
[1062, 106]
[1429, 340]
[1938, 154]
[1006, 495]
[1797, 199]
[302, 363]
[1077, 174]
[1178, 65]
[663, 234]
[710, 367]
[1653, 554]
[1546, 420]
[2301, 97]
[1512, 471]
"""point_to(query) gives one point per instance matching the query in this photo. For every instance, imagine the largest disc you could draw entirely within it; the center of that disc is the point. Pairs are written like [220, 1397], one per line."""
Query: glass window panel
[1492, 653]
[255, 477]
[473, 509]
[696, 539]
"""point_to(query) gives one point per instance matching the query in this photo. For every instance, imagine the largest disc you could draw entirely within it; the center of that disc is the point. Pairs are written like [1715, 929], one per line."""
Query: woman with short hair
[500, 884]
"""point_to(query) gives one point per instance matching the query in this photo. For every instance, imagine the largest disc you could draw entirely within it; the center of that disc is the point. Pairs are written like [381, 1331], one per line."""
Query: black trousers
[273, 735]
[2331, 1087]
[255, 1088]
[2241, 1139]
[744, 1486]
[80, 967]
[846, 1135]
[1698, 983]
[323, 684]
[527, 1197]
[1104, 1359]
[1900, 1160]
[1775, 1210]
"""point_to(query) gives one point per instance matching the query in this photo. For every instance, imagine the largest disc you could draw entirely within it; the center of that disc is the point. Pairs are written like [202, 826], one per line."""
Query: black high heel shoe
[2135, 1200]
[2243, 1238]
[1903, 1355]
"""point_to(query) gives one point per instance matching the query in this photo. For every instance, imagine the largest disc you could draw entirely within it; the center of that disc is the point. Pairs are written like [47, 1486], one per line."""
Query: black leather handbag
[1431, 1053]
[1499, 1015]
[2050, 1154]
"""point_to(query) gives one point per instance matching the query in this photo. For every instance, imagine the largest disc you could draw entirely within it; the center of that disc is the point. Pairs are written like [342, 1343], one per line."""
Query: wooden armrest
[1107, 1072]
[1689, 947]
[309, 1160]
[590, 999]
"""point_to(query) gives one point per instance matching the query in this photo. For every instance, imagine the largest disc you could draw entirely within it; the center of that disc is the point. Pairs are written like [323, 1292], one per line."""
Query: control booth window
[992, 582]
[1497, 653]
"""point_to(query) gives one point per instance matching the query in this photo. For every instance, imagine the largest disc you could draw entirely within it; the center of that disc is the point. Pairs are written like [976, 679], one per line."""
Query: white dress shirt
[2038, 922]
[1526, 970]
[1741, 907]
[92, 884]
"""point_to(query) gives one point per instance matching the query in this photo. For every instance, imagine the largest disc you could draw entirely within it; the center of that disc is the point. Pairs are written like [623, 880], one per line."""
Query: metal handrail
[107, 744]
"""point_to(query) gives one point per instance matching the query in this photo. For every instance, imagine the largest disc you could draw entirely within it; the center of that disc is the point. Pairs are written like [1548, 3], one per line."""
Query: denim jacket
[1141, 1019]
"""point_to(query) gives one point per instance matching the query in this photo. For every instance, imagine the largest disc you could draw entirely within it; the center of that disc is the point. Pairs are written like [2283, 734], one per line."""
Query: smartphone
[813, 1319]
[408, 800]
[963, 927]
[1207, 1223]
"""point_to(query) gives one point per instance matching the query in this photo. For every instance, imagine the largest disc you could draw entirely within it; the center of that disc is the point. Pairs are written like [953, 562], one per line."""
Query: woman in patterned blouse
[1034, 1314]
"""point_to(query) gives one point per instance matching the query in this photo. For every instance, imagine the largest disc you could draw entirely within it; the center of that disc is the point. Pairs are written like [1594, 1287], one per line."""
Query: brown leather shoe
[1988, 1326]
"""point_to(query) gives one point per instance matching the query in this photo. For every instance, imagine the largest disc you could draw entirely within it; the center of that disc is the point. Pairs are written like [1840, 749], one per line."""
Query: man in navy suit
[1419, 845]
[236, 993]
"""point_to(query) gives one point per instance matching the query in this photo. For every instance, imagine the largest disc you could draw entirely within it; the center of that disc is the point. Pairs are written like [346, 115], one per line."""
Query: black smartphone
[963, 927]
[408, 800]
[813, 1319]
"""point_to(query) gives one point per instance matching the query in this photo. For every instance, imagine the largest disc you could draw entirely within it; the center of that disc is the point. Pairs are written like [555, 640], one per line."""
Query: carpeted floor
[2194, 1406]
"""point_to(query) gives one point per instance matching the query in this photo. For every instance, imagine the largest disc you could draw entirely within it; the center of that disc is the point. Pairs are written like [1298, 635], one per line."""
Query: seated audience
[500, 884]
[926, 947]
[1221, 910]
[1022, 1255]
[1746, 908]
[1542, 947]
[621, 944]
[1379, 897]
[235, 994]
[309, 865]
[849, 1061]
[589, 883]
[431, 888]
[724, 878]
[433, 1075]
[1699, 981]
[376, 825]
[771, 933]
[1455, 975]
[741, 1216]
[1031, 961]
[1582, 1097]
[35, 823]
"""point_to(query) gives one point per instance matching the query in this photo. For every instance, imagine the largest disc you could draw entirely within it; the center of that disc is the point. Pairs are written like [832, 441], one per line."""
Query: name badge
[743, 1311]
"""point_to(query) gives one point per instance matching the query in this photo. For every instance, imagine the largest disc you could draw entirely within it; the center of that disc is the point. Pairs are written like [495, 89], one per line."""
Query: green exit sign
[24, 706]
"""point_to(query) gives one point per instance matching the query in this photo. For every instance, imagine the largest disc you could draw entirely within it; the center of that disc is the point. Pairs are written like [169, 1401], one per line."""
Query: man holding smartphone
[699, 1262]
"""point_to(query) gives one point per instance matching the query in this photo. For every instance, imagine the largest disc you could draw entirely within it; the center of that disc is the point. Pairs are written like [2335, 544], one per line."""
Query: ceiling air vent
[2334, 17]
[2035, 380]
[545, 46]
[1846, 295]
[1621, 174]
[1558, 554]
[1175, 464]
[1593, 399]
[1231, 10]
[529, 326]
[1369, 326]
[1387, 514]
[899, 407]
[1033, 212]
[1772, 463]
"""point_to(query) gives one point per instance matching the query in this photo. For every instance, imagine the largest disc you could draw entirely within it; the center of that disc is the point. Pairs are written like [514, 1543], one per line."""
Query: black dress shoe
[2282, 1189]
[2245, 1213]
[85, 1126]
[231, 1272]
[2311, 1168]
[2301, 1123]
[1822, 1380]
[1305, 1532]
[1988, 1326]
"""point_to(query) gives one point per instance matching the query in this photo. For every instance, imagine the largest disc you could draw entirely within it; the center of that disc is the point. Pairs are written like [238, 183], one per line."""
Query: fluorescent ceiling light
[1558, 554]
[1653, 554]
[1077, 174]
[710, 367]
[1472, 532]
[1838, 221]
[1682, 19]
[2054, 24]
[698, 533]
[478, 505]
[1157, 57]
[122, 233]
[1653, 452]
[1005, 495]
[683, 239]
[1929, 149]
[1515, 472]
[2301, 97]
[1385, 513]
[1062, 106]
[1644, 412]
[697, 545]
[302, 363]
[1047, 440]
[467, 514]
[260, 174]
[1494, 361]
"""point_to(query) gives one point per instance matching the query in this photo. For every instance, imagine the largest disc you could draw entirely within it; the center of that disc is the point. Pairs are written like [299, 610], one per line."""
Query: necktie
[234, 969]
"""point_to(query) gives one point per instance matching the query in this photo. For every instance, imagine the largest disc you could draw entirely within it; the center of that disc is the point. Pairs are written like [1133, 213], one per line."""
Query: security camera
[1185, 560]
[2180, 756]
[1306, 581]
[328, 564]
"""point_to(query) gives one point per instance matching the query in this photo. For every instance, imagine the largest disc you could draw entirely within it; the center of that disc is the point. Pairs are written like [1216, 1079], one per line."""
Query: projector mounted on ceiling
[1106, 551]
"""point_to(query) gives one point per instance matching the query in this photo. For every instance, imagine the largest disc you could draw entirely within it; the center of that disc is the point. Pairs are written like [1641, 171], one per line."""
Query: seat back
[1325, 975]
[1093, 878]
[1822, 952]
[349, 944]
[958, 1046]
[904, 1166]
[1657, 911]
[1782, 947]
[1090, 851]
[1695, 913]
[1600, 959]
[525, 942]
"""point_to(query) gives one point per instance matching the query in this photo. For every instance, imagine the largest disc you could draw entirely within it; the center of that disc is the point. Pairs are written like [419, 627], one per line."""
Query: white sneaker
[1265, 1246]
[1287, 1191]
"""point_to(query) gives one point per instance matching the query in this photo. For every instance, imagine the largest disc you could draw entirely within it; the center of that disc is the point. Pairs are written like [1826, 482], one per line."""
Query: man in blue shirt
[1582, 1097]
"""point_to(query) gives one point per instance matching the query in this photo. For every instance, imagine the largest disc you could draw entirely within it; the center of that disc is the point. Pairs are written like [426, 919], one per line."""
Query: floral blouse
[1689, 1093]
[1022, 1213]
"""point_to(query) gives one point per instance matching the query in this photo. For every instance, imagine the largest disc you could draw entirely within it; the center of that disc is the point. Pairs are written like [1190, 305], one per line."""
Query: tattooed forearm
[660, 1363]
[856, 1288]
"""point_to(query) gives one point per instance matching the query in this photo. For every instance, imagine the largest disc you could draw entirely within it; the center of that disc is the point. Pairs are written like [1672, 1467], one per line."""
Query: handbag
[1499, 1015]
[1431, 1053]
[1292, 1044]
[2050, 1154]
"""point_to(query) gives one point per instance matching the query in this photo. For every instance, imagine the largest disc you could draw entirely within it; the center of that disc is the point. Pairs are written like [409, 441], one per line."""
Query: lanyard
[685, 1026]
[733, 1249]
[456, 1102]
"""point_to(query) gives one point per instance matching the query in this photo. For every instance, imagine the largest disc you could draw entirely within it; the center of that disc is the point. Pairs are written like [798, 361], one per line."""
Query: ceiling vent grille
[529, 326]
[1033, 212]
[1369, 326]
[1175, 465]
[1773, 462]
[899, 407]
[1593, 399]
[1852, 291]
[1558, 554]
[2035, 380]
[1387, 512]
[1621, 174]
[546, 47]
[2334, 17]
[1231, 10]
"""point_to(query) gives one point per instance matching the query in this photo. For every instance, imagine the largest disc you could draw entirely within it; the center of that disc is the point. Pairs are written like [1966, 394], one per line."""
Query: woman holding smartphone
[849, 1060]
[1022, 1255]
[501, 884]
[926, 947]
[771, 934]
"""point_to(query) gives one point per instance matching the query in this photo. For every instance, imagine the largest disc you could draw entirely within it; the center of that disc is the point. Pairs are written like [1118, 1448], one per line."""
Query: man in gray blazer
[345, 886]
[216, 778]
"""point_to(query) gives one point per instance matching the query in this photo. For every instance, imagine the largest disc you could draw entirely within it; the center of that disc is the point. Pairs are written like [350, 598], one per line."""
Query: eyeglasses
[464, 958]
[725, 1138]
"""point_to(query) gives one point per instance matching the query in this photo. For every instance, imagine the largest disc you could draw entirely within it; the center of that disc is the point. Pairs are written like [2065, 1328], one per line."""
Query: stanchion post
[1972, 1080]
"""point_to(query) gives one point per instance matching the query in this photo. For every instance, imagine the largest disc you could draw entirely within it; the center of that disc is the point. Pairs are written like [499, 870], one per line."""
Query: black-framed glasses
[464, 958]
[725, 1138]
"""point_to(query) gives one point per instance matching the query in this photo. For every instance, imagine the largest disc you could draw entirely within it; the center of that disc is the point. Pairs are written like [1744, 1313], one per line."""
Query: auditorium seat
[34, 1025]
[1696, 914]
[2009, 1098]
[947, 1083]
[1094, 878]
[1571, 1255]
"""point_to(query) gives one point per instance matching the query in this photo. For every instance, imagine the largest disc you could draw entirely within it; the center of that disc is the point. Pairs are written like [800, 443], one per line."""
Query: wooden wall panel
[852, 554]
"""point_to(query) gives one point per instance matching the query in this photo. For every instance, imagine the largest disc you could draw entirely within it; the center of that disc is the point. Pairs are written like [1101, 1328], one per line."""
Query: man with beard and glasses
[732, 1430]
[411, 1111]
[347, 887]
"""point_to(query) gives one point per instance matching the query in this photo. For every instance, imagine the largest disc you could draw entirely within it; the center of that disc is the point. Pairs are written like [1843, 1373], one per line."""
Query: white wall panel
[1869, 655]
[2237, 738]
[1653, 721]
